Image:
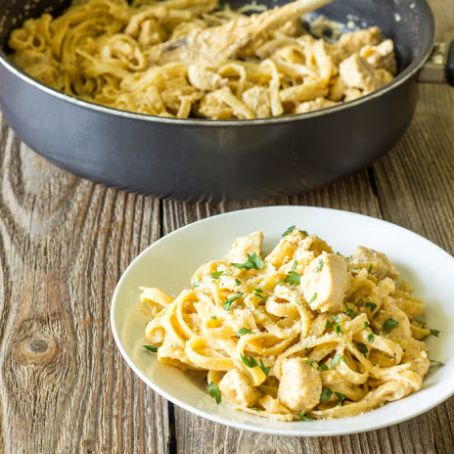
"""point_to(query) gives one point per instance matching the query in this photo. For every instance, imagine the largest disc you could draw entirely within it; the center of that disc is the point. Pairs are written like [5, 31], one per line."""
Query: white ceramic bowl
[169, 263]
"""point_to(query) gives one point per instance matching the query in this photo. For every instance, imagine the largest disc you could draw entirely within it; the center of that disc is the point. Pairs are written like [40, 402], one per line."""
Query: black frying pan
[222, 159]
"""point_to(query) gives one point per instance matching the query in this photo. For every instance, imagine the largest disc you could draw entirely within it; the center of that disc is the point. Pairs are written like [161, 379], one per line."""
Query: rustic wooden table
[64, 243]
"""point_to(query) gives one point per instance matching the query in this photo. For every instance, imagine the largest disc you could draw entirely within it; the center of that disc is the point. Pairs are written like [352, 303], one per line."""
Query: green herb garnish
[389, 324]
[336, 360]
[436, 363]
[362, 348]
[326, 394]
[266, 370]
[231, 300]
[341, 398]
[213, 317]
[215, 392]
[435, 332]
[348, 310]
[151, 348]
[371, 306]
[249, 361]
[323, 367]
[369, 268]
[314, 297]
[371, 337]
[293, 278]
[216, 274]
[420, 320]
[319, 266]
[196, 284]
[258, 292]
[289, 230]
[304, 417]
[237, 282]
[243, 331]
[253, 262]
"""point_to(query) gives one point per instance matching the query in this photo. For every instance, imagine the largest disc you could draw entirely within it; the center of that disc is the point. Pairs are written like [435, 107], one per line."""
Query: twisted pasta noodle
[270, 350]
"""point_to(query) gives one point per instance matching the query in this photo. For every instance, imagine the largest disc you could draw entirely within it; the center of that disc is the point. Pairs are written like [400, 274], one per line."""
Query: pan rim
[400, 79]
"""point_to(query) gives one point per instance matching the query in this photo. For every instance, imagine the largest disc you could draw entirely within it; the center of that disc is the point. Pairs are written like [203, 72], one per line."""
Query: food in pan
[300, 333]
[191, 58]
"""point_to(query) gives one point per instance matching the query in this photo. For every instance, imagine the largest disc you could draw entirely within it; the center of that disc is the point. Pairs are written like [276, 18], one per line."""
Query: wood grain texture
[64, 243]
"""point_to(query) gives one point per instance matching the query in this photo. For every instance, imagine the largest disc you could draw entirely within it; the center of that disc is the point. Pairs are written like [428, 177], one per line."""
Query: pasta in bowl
[170, 263]
[192, 58]
[298, 334]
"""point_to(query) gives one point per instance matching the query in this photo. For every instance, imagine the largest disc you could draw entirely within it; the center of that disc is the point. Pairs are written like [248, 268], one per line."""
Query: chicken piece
[300, 386]
[226, 40]
[355, 72]
[325, 282]
[258, 99]
[380, 264]
[316, 104]
[204, 79]
[381, 56]
[350, 43]
[236, 389]
[244, 245]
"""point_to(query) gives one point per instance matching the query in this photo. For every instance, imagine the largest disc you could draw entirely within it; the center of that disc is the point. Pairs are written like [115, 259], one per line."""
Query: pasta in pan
[188, 58]
[301, 333]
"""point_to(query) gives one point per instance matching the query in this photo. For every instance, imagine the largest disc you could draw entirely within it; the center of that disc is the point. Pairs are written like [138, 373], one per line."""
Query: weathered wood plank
[63, 244]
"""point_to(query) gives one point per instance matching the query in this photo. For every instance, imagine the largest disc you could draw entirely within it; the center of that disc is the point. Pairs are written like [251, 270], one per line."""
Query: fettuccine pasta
[301, 333]
[188, 58]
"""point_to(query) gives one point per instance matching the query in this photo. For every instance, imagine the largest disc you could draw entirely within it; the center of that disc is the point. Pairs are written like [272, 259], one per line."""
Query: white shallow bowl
[169, 263]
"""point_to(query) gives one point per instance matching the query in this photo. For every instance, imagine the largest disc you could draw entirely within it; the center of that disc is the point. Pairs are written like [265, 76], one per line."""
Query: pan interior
[408, 23]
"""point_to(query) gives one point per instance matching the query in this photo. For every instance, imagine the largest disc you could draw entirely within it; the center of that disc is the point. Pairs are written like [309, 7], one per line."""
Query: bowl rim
[399, 80]
[248, 426]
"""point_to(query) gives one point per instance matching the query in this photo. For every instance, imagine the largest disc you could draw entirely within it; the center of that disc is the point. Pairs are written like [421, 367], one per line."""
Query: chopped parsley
[304, 417]
[289, 230]
[151, 348]
[323, 367]
[214, 392]
[341, 398]
[248, 361]
[371, 337]
[293, 278]
[237, 282]
[389, 324]
[319, 266]
[435, 332]
[231, 300]
[213, 317]
[314, 297]
[436, 363]
[266, 370]
[311, 362]
[196, 284]
[253, 262]
[366, 325]
[362, 348]
[336, 360]
[216, 274]
[244, 331]
[369, 268]
[326, 394]
[348, 310]
[258, 292]
[337, 328]
[371, 306]
[328, 324]
[420, 320]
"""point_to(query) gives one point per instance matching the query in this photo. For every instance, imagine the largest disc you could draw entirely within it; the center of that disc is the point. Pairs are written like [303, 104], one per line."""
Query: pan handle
[439, 67]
